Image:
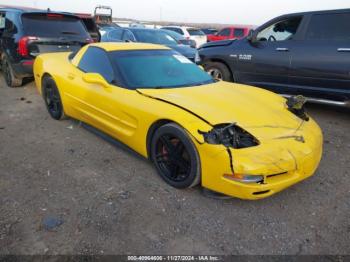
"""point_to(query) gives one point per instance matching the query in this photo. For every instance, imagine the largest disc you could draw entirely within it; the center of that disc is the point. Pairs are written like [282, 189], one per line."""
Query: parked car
[153, 36]
[303, 53]
[189, 33]
[180, 38]
[231, 32]
[103, 26]
[209, 32]
[26, 33]
[90, 25]
[237, 140]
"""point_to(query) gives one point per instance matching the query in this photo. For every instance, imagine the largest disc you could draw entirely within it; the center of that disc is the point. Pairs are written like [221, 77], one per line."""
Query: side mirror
[252, 36]
[94, 78]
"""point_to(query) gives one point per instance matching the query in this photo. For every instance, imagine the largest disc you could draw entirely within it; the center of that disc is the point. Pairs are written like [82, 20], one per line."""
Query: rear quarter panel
[54, 64]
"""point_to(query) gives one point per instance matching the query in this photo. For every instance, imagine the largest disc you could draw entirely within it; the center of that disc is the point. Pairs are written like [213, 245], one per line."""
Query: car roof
[237, 27]
[114, 46]
[183, 27]
[317, 12]
[109, 46]
[141, 29]
[20, 9]
[190, 27]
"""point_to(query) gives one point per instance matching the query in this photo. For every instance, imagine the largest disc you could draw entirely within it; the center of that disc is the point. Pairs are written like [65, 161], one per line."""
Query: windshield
[154, 37]
[157, 69]
[195, 32]
[209, 31]
[53, 25]
[173, 34]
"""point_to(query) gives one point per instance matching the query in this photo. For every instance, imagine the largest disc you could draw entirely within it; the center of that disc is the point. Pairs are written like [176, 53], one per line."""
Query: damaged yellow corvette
[238, 140]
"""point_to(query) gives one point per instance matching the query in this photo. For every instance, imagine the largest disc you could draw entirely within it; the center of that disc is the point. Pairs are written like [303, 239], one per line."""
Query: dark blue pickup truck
[304, 53]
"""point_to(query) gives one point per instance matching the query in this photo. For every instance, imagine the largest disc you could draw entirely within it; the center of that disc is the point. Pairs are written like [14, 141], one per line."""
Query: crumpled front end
[282, 158]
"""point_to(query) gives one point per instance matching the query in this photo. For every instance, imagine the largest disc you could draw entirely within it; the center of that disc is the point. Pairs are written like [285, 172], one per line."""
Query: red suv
[231, 32]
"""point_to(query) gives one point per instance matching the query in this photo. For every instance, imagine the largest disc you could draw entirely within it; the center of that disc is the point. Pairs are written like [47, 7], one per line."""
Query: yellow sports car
[233, 139]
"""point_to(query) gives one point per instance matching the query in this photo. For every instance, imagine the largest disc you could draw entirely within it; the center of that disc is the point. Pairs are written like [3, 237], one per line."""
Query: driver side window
[95, 60]
[281, 31]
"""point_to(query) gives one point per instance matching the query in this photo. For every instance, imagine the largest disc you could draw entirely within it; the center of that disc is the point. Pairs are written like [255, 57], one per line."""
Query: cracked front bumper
[282, 162]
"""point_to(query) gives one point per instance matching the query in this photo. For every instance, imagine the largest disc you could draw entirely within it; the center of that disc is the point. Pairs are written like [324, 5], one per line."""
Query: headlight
[229, 135]
[248, 179]
[197, 58]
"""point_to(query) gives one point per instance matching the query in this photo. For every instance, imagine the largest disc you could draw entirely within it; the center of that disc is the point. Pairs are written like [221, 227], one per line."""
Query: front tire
[52, 98]
[218, 71]
[175, 156]
[7, 70]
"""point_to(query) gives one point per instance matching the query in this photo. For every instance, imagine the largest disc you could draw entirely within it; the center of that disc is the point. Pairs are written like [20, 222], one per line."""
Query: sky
[254, 12]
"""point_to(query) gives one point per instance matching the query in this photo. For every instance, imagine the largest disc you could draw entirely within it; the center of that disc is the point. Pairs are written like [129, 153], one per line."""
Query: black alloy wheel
[52, 98]
[175, 157]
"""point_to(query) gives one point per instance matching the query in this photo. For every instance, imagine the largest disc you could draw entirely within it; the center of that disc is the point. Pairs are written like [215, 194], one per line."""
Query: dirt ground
[107, 200]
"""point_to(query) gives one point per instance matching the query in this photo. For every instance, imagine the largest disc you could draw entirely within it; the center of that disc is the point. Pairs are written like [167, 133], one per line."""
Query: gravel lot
[107, 200]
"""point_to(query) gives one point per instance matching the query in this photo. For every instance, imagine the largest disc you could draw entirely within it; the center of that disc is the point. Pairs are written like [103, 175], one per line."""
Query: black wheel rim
[172, 158]
[7, 74]
[52, 100]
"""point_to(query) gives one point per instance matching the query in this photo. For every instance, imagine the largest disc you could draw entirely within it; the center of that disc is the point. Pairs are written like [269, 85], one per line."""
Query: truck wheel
[10, 78]
[218, 71]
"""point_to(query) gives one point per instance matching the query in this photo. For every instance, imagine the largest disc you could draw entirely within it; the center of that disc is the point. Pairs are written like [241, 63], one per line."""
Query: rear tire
[175, 157]
[7, 71]
[52, 98]
[218, 71]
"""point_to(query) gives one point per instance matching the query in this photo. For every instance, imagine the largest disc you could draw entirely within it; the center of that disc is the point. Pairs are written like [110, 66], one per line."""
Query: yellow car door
[97, 101]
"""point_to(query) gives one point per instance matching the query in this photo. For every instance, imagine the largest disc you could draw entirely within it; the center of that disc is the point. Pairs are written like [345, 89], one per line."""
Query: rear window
[194, 31]
[328, 27]
[89, 24]
[238, 32]
[174, 29]
[53, 25]
[209, 31]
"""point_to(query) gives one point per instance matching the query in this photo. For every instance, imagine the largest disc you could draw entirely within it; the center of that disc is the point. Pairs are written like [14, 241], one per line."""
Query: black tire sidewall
[49, 80]
[194, 178]
[5, 70]
[11, 80]
[225, 72]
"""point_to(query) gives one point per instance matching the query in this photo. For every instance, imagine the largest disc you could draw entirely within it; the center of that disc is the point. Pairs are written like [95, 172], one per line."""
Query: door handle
[71, 76]
[282, 49]
[342, 49]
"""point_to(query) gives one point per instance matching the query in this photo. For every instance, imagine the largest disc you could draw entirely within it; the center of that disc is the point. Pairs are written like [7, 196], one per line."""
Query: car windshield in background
[157, 69]
[173, 34]
[49, 25]
[194, 31]
[154, 37]
[209, 31]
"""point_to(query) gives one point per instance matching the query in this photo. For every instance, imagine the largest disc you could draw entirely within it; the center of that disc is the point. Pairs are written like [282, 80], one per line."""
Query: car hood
[249, 107]
[185, 50]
